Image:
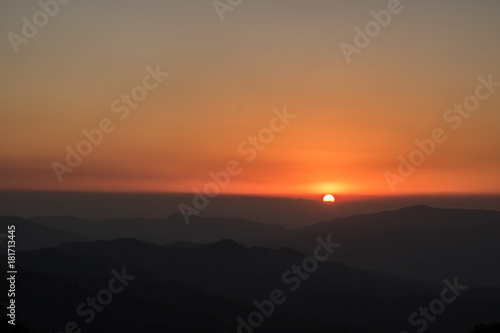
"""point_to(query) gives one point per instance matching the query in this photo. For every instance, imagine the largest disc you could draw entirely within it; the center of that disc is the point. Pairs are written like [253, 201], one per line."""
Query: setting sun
[328, 198]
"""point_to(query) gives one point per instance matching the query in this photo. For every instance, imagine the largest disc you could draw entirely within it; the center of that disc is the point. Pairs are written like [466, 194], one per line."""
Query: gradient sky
[352, 120]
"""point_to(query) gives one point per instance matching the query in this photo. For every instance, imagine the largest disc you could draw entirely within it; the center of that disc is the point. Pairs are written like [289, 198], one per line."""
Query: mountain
[420, 242]
[168, 230]
[206, 287]
[30, 235]
[287, 212]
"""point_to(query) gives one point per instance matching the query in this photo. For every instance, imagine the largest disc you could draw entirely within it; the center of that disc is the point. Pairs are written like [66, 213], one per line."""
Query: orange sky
[225, 79]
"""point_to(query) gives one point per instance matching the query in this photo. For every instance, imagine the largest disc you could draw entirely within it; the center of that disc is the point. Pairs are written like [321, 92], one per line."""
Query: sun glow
[328, 198]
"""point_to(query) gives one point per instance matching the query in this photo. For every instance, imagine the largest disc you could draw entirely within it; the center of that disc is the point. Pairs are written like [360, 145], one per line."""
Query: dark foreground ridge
[388, 267]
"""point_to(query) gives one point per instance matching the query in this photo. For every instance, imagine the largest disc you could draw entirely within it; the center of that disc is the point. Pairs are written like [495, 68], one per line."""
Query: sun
[328, 198]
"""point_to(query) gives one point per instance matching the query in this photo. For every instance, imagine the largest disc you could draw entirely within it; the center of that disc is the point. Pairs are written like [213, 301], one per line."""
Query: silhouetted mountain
[171, 229]
[419, 242]
[206, 287]
[287, 212]
[30, 235]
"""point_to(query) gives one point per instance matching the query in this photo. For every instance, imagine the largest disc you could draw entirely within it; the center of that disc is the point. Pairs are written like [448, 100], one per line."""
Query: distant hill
[30, 235]
[204, 288]
[168, 230]
[215, 262]
[287, 212]
[419, 242]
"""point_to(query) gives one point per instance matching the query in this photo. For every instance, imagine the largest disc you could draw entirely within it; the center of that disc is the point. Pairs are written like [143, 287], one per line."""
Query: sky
[322, 119]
